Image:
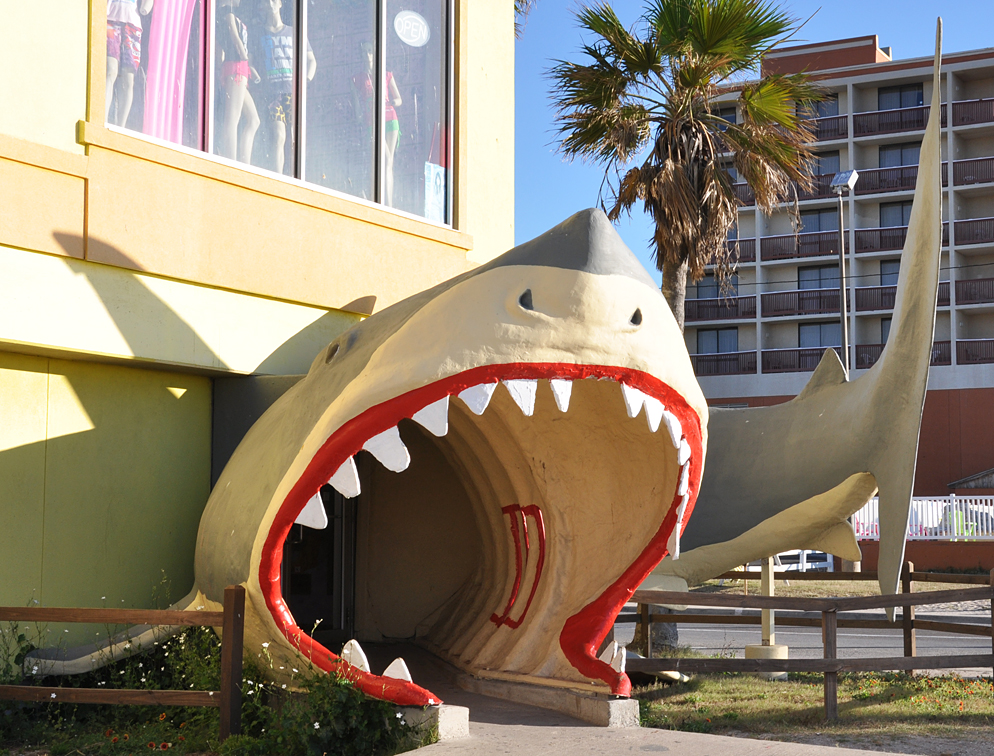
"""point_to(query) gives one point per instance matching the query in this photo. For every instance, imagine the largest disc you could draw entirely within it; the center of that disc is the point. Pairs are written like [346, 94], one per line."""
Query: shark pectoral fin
[828, 373]
[839, 540]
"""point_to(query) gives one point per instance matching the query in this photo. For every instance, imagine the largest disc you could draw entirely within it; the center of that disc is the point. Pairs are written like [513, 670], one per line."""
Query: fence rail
[830, 623]
[934, 518]
[228, 699]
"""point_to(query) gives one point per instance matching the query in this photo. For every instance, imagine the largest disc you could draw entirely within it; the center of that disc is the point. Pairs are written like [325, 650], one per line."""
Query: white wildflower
[316, 725]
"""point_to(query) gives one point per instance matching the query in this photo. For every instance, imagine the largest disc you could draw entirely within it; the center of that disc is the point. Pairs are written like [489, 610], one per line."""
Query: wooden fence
[830, 622]
[228, 699]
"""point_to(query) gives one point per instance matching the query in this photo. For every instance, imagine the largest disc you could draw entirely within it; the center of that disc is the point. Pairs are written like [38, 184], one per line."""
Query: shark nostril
[525, 300]
[332, 351]
[636, 317]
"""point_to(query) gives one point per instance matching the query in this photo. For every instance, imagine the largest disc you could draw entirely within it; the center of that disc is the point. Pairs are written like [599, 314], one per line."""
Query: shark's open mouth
[585, 613]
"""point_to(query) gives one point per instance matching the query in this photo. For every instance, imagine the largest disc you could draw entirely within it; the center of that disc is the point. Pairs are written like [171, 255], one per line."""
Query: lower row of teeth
[390, 451]
[353, 654]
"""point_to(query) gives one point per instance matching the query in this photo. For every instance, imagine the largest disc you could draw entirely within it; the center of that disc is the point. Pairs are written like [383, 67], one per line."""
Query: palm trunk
[674, 288]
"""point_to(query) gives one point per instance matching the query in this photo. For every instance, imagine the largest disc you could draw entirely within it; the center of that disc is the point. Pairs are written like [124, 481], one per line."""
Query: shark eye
[637, 317]
[332, 351]
[525, 300]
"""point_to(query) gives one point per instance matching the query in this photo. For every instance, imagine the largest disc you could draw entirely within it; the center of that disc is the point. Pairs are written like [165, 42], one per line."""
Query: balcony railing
[869, 298]
[975, 231]
[868, 354]
[966, 112]
[976, 171]
[801, 302]
[822, 187]
[899, 179]
[727, 363]
[885, 239]
[747, 249]
[831, 127]
[726, 308]
[893, 121]
[975, 291]
[799, 245]
[794, 360]
[743, 193]
[974, 351]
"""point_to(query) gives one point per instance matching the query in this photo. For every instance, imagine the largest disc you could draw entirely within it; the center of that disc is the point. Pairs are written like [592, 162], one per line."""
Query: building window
[824, 109]
[819, 335]
[895, 214]
[727, 114]
[818, 277]
[896, 155]
[819, 220]
[708, 288]
[351, 96]
[884, 330]
[717, 340]
[827, 163]
[906, 96]
[889, 270]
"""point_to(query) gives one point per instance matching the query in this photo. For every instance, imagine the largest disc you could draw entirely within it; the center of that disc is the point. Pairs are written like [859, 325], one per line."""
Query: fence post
[232, 637]
[992, 612]
[829, 628]
[908, 615]
[646, 629]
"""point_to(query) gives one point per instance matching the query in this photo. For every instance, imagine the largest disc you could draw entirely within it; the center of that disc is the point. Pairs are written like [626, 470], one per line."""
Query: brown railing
[747, 249]
[973, 111]
[870, 298]
[876, 180]
[725, 308]
[801, 302]
[974, 351]
[975, 231]
[820, 189]
[892, 121]
[743, 193]
[975, 291]
[799, 245]
[885, 239]
[727, 363]
[831, 127]
[942, 300]
[794, 360]
[228, 699]
[868, 354]
[976, 171]
[829, 622]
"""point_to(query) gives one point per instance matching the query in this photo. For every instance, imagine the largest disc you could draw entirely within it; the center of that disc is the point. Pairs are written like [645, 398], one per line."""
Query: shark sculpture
[788, 476]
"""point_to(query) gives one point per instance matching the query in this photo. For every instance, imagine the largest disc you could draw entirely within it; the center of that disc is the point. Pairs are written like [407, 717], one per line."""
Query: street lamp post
[840, 182]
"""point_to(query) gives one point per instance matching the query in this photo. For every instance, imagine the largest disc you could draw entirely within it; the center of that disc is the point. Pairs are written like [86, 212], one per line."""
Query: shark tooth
[684, 484]
[561, 390]
[353, 654]
[673, 426]
[389, 450]
[478, 397]
[653, 412]
[609, 652]
[523, 394]
[633, 399]
[346, 479]
[673, 544]
[398, 670]
[313, 514]
[435, 417]
[684, 454]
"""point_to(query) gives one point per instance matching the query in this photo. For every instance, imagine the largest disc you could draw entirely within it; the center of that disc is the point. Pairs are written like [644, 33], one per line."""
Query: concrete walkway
[503, 727]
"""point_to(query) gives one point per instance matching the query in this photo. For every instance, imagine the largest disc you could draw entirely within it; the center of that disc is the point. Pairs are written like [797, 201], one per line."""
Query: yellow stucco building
[197, 190]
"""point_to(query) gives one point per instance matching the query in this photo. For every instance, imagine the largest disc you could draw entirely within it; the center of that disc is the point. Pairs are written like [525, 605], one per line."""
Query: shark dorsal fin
[828, 373]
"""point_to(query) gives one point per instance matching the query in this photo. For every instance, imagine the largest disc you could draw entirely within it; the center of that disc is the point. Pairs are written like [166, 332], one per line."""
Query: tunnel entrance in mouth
[318, 573]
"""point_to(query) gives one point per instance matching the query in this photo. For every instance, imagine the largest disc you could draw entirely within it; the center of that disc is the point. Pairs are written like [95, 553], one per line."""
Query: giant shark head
[537, 432]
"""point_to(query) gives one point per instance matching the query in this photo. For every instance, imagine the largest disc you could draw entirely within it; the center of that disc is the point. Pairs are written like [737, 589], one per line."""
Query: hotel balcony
[974, 351]
[967, 112]
[868, 354]
[831, 127]
[794, 360]
[725, 363]
[975, 291]
[790, 246]
[871, 298]
[892, 121]
[892, 238]
[801, 302]
[723, 308]
[974, 231]
[899, 179]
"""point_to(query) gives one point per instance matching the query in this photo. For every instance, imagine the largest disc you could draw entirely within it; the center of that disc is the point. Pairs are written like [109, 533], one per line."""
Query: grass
[872, 706]
[816, 588]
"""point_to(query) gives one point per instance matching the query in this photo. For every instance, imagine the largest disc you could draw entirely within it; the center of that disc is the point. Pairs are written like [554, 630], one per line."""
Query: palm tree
[649, 94]
[521, 10]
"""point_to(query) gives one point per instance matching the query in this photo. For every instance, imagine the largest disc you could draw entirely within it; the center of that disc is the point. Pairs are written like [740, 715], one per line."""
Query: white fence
[940, 518]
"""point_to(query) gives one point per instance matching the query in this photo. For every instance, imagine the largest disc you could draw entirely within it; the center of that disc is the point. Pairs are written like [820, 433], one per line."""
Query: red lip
[584, 631]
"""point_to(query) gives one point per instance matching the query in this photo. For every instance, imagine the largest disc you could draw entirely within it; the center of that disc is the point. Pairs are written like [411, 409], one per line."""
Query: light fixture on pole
[840, 182]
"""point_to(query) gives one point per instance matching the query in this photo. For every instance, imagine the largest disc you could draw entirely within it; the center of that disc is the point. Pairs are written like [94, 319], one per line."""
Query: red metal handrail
[892, 121]
[726, 363]
[722, 308]
[966, 112]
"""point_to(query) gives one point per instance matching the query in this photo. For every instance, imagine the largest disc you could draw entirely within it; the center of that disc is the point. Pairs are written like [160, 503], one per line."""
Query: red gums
[596, 618]
[536, 513]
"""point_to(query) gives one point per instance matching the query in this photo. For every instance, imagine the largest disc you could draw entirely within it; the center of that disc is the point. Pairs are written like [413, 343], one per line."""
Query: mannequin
[275, 56]
[241, 119]
[124, 51]
[362, 95]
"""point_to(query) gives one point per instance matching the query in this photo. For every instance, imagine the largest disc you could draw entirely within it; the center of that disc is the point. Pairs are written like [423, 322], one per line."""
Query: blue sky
[548, 190]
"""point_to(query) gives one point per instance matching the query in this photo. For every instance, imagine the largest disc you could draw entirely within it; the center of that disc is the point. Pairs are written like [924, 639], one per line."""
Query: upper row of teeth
[391, 452]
